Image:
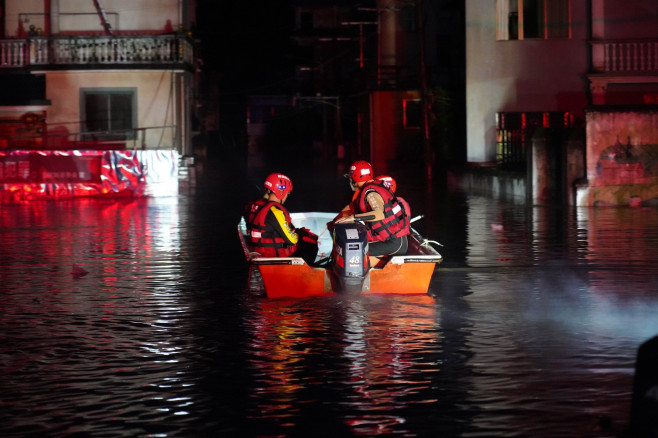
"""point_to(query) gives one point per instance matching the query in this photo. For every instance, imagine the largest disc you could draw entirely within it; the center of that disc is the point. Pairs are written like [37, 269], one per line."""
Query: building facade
[515, 74]
[559, 66]
[93, 76]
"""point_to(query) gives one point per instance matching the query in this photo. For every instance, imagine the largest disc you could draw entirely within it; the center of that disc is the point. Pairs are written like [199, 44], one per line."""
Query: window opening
[412, 113]
[109, 114]
[532, 19]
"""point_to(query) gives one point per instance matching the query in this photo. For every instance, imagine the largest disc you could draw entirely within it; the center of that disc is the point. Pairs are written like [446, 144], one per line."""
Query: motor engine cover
[350, 250]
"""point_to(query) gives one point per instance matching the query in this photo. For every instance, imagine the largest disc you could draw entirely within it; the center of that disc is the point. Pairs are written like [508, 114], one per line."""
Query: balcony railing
[625, 56]
[104, 50]
[57, 137]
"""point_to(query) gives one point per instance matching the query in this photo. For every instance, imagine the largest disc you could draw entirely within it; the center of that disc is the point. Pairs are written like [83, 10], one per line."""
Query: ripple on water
[532, 332]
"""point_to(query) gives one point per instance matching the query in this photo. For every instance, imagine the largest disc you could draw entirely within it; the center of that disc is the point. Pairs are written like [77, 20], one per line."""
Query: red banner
[27, 175]
[40, 167]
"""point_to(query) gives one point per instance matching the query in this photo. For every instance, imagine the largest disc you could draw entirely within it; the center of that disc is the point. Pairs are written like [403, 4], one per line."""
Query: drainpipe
[387, 33]
[46, 17]
[53, 26]
[103, 15]
[425, 97]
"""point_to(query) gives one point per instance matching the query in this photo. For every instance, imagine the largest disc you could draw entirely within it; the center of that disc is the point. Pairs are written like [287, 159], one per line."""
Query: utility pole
[424, 90]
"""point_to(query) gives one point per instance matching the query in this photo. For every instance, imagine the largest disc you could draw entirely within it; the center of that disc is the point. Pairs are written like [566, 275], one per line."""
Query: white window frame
[555, 12]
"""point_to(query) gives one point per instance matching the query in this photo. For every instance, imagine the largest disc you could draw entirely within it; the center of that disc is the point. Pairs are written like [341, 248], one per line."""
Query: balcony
[625, 56]
[622, 67]
[97, 51]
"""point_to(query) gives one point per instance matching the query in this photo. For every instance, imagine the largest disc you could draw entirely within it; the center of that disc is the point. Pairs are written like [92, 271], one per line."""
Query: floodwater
[129, 317]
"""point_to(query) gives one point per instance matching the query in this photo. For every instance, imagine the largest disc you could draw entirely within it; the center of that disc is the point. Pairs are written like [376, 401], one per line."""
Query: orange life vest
[395, 222]
[263, 236]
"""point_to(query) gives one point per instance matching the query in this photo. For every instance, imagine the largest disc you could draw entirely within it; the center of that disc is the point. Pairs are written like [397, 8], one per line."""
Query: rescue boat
[342, 264]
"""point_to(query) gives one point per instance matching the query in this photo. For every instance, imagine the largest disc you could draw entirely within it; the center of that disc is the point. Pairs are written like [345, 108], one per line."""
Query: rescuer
[389, 182]
[376, 206]
[271, 232]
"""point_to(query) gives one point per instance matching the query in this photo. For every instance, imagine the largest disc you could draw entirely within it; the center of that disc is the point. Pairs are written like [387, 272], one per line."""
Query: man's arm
[376, 212]
[376, 203]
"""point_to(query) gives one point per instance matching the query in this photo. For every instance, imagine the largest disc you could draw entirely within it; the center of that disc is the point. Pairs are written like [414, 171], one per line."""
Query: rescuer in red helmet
[389, 182]
[271, 232]
[376, 206]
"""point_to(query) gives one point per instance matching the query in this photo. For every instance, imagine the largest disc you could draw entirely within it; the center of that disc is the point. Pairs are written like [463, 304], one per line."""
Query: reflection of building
[372, 344]
[78, 76]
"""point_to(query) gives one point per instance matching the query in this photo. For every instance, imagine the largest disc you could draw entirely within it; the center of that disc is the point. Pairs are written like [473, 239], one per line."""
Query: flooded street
[129, 317]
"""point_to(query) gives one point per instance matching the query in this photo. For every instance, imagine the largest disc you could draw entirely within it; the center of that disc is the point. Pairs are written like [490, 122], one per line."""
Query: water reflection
[531, 329]
[372, 352]
[580, 287]
[104, 347]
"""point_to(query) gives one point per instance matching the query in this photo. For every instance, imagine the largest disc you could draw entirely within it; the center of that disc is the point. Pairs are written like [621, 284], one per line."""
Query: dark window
[526, 19]
[533, 19]
[22, 89]
[408, 18]
[109, 115]
[306, 21]
[412, 113]
[513, 25]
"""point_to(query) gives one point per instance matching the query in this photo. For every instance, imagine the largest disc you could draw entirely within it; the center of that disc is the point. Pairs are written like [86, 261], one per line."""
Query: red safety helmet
[278, 184]
[388, 182]
[360, 171]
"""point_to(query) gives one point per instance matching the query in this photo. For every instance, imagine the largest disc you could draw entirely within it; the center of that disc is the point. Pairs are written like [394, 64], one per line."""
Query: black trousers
[397, 245]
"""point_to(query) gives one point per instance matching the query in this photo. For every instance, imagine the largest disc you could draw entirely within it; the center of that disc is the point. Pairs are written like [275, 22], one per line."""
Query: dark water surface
[531, 330]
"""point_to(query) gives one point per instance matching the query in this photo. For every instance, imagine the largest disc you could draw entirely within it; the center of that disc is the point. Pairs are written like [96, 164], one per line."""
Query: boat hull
[278, 277]
[293, 280]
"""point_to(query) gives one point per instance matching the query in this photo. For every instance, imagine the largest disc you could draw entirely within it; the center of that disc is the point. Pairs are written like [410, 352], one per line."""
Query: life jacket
[393, 224]
[263, 238]
[407, 210]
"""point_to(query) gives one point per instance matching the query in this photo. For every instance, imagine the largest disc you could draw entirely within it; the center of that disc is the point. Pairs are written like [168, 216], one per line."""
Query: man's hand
[345, 219]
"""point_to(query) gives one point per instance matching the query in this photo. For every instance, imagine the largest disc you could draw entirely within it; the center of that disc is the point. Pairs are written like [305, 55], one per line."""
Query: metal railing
[143, 138]
[515, 130]
[103, 50]
[511, 147]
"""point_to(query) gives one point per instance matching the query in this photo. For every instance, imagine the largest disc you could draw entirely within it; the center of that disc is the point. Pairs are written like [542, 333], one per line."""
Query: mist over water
[531, 326]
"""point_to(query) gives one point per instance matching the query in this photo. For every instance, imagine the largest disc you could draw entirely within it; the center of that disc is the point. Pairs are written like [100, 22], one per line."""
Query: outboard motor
[350, 256]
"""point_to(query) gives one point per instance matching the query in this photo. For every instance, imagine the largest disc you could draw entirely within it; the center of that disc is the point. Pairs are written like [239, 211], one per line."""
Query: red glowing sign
[26, 175]
[36, 167]
[650, 98]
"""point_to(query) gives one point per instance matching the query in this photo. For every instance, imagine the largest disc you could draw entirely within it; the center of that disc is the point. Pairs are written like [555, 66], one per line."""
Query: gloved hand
[305, 232]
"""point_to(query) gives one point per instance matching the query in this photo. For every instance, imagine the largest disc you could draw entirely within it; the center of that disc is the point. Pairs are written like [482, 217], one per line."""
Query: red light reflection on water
[98, 233]
[379, 349]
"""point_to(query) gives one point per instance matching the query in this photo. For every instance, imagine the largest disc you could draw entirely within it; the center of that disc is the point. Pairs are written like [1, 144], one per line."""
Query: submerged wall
[621, 157]
[619, 166]
[490, 182]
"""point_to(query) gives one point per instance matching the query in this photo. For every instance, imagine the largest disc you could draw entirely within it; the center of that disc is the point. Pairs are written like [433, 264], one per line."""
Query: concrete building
[537, 73]
[80, 76]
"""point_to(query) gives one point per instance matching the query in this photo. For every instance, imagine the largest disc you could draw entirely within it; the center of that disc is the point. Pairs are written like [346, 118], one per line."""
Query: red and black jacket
[264, 233]
[395, 222]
